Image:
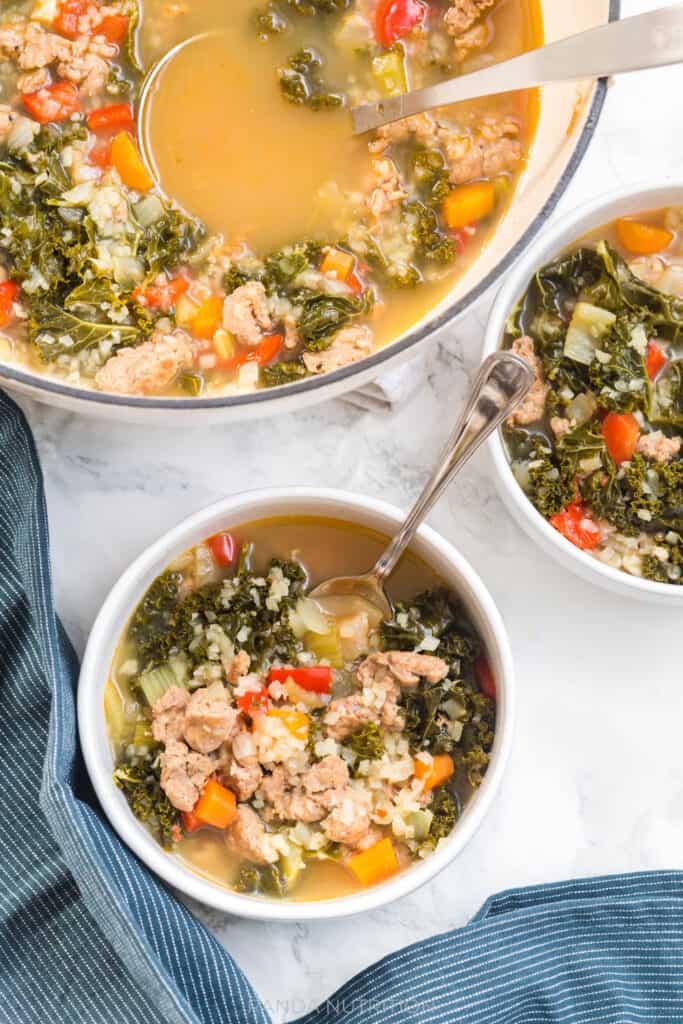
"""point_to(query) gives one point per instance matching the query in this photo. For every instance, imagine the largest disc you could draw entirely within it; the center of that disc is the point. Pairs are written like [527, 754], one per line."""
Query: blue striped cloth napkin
[88, 936]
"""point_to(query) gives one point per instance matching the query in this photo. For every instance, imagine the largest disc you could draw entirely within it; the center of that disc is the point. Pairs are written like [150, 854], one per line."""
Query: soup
[285, 747]
[597, 443]
[242, 237]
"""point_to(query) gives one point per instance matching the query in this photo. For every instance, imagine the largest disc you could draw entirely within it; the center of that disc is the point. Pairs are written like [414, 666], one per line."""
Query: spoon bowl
[500, 385]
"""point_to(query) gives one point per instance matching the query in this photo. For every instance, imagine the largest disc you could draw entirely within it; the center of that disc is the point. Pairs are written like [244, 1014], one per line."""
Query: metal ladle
[645, 41]
[500, 385]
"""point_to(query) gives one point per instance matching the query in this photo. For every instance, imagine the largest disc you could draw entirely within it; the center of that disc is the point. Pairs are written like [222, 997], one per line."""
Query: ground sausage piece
[533, 406]
[560, 426]
[30, 47]
[239, 667]
[387, 192]
[247, 838]
[148, 368]
[32, 81]
[404, 667]
[476, 39]
[245, 313]
[658, 447]
[463, 14]
[289, 803]
[184, 774]
[494, 149]
[209, 719]
[330, 773]
[346, 715]
[350, 345]
[168, 715]
[349, 818]
[420, 126]
[239, 765]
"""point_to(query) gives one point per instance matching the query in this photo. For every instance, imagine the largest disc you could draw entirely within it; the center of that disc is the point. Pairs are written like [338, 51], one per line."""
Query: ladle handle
[649, 40]
[501, 384]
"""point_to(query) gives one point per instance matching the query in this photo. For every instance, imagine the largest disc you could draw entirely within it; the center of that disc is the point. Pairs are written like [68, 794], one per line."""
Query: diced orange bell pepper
[217, 806]
[434, 774]
[52, 103]
[621, 431]
[125, 157]
[467, 204]
[338, 264]
[297, 722]
[208, 318]
[642, 239]
[375, 864]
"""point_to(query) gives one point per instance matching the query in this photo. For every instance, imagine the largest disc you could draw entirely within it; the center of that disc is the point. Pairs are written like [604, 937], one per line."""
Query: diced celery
[588, 325]
[389, 72]
[119, 720]
[420, 822]
[325, 648]
[142, 737]
[156, 681]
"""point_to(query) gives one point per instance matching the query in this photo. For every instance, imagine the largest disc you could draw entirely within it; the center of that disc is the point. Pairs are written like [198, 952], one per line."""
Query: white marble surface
[595, 783]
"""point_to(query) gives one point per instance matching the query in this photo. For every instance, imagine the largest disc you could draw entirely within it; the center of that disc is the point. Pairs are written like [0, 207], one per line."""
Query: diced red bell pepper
[100, 155]
[164, 294]
[52, 103]
[113, 27]
[394, 19]
[316, 680]
[621, 431]
[223, 547]
[485, 678]
[576, 523]
[355, 283]
[263, 353]
[8, 294]
[254, 702]
[69, 13]
[191, 822]
[655, 360]
[117, 115]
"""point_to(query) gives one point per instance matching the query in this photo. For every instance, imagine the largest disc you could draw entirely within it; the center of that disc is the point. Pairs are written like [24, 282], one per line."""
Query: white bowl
[231, 512]
[564, 232]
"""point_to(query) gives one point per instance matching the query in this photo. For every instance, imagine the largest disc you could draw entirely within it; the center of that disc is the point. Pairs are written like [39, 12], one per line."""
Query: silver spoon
[649, 40]
[501, 384]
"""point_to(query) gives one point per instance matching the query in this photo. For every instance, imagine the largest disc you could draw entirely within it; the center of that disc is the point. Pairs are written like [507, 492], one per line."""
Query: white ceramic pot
[550, 244]
[457, 574]
[568, 117]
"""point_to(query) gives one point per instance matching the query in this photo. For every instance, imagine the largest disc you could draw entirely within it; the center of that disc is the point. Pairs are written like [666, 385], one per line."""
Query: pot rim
[325, 384]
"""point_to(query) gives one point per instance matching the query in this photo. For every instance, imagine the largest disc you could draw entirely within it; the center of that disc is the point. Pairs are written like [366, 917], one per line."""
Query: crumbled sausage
[330, 773]
[463, 14]
[239, 765]
[350, 345]
[476, 38]
[387, 192]
[149, 368]
[531, 409]
[346, 715]
[209, 719]
[420, 126]
[404, 667]
[658, 447]
[239, 667]
[32, 81]
[168, 715]
[349, 818]
[184, 774]
[247, 838]
[492, 150]
[289, 803]
[245, 313]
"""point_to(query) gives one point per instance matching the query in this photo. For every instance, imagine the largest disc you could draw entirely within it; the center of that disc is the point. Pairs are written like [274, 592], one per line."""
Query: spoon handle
[647, 40]
[501, 384]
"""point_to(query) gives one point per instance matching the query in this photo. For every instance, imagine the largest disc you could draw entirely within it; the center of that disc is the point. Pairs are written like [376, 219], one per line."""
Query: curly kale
[429, 240]
[445, 811]
[302, 83]
[261, 880]
[667, 404]
[169, 241]
[429, 171]
[367, 742]
[162, 623]
[669, 570]
[139, 780]
[433, 613]
[283, 373]
[323, 316]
